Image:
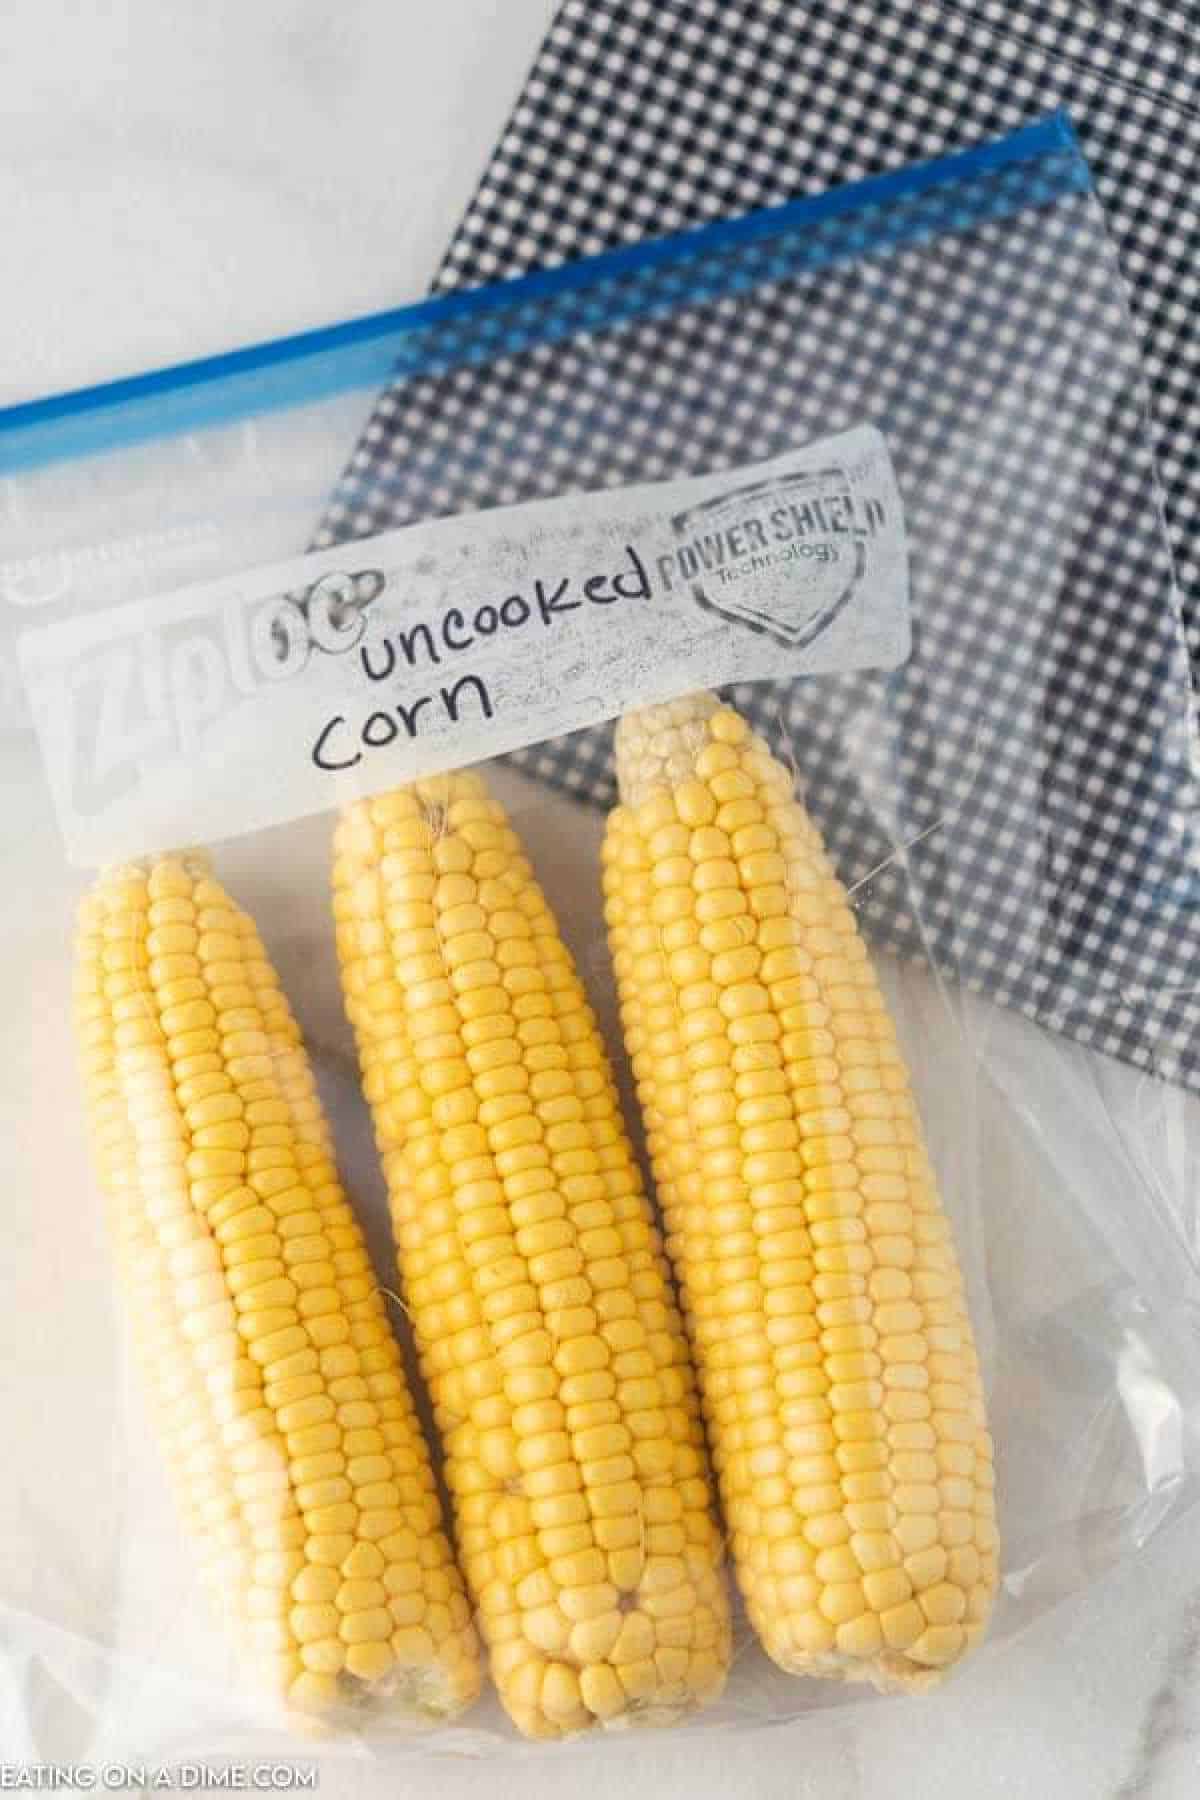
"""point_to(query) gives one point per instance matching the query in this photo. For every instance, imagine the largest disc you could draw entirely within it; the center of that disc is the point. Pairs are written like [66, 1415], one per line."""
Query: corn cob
[534, 1276]
[280, 1396]
[839, 1378]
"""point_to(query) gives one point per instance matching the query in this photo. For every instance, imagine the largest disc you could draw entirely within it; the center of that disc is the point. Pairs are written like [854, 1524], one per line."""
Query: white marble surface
[174, 179]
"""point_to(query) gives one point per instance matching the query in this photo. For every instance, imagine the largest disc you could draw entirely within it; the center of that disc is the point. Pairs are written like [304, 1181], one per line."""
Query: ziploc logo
[150, 692]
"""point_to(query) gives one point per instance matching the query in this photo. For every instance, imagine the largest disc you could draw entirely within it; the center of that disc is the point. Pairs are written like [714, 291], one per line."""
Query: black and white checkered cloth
[648, 116]
[1018, 804]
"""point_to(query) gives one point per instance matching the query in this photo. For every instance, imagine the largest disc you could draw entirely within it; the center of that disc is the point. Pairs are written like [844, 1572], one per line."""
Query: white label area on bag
[242, 703]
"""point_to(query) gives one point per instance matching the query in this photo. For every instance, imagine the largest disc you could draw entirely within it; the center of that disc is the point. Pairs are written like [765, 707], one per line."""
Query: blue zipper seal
[1034, 166]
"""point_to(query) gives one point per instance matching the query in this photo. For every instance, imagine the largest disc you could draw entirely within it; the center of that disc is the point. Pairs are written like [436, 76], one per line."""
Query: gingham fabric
[1017, 803]
[647, 116]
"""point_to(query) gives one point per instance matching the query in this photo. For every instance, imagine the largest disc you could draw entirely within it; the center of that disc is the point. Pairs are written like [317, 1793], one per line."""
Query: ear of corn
[533, 1273]
[839, 1377]
[281, 1400]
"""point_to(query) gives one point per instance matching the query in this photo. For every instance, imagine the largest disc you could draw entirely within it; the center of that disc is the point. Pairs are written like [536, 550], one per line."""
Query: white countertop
[177, 179]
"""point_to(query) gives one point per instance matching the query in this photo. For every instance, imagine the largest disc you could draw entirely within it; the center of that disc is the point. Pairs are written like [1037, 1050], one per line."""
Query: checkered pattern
[648, 116]
[1017, 804]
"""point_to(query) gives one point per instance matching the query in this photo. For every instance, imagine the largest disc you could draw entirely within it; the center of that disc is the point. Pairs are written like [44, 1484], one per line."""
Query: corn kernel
[225, 1198]
[834, 1354]
[554, 1348]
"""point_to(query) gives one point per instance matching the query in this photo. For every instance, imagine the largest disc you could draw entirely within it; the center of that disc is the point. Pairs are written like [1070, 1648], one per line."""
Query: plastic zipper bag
[876, 466]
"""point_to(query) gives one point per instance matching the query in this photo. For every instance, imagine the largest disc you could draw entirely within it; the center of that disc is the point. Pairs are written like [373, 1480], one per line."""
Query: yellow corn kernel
[534, 1275]
[837, 1370]
[209, 1139]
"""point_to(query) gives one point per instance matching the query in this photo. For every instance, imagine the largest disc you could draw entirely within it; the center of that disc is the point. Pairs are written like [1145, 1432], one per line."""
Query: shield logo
[781, 556]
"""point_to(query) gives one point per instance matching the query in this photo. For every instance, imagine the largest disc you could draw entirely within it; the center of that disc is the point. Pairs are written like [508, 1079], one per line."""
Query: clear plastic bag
[1010, 809]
